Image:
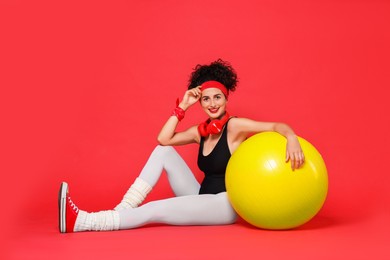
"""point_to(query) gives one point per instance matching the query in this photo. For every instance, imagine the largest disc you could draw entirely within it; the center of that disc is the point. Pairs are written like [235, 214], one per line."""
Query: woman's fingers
[293, 162]
[296, 159]
[195, 92]
[299, 160]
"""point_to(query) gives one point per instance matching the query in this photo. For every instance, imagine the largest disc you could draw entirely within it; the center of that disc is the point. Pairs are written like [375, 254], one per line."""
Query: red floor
[325, 237]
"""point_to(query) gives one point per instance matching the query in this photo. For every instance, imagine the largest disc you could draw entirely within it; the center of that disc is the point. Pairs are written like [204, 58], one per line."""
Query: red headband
[215, 84]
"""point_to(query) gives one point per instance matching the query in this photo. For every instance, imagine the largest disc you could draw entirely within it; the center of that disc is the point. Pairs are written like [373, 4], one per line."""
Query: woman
[194, 204]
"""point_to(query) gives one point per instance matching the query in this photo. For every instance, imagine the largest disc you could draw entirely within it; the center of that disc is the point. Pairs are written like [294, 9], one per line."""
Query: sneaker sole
[62, 206]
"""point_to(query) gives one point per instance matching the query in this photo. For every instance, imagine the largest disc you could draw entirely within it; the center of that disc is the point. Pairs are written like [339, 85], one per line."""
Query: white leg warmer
[207, 209]
[98, 221]
[135, 195]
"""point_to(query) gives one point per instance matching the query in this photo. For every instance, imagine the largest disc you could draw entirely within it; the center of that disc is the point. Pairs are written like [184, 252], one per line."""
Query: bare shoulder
[235, 128]
[235, 134]
[249, 126]
[240, 123]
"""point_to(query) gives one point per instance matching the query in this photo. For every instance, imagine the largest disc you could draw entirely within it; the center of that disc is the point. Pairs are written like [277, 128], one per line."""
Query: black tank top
[214, 165]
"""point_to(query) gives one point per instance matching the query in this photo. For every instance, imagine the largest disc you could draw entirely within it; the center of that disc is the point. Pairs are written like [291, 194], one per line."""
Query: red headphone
[213, 126]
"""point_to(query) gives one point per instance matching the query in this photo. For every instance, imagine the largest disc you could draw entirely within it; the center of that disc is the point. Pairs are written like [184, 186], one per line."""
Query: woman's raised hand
[190, 97]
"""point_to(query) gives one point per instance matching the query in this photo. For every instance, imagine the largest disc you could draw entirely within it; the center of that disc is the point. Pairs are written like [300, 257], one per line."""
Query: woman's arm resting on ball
[294, 152]
[241, 128]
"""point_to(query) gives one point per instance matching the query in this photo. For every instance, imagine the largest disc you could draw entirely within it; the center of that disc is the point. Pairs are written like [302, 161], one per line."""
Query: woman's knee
[229, 214]
[161, 150]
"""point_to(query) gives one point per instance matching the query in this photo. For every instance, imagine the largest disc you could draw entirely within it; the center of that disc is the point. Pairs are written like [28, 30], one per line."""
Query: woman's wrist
[291, 137]
[183, 106]
[178, 111]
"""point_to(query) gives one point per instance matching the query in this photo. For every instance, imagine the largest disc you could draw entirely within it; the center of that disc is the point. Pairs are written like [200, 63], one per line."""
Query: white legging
[188, 208]
[180, 177]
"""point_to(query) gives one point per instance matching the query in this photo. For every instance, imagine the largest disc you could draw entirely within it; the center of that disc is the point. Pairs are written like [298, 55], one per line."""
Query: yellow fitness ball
[266, 192]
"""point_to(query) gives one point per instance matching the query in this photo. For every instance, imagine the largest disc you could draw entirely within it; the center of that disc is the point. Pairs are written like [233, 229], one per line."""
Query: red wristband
[178, 111]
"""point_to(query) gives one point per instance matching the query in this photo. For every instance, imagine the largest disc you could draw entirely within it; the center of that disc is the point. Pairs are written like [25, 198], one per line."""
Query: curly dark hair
[218, 70]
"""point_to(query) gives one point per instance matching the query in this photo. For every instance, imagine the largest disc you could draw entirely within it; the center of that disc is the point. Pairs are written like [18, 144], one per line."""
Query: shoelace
[75, 208]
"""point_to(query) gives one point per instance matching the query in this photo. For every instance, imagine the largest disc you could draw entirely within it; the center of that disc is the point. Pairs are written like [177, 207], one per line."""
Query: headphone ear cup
[214, 127]
[202, 129]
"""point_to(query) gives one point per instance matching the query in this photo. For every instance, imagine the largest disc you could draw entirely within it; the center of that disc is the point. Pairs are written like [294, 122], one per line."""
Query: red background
[86, 86]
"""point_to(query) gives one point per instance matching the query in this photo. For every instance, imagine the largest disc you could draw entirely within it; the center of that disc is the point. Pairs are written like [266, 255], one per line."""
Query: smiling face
[213, 102]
